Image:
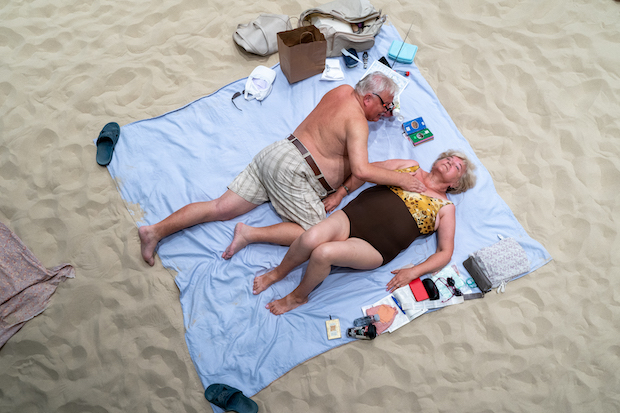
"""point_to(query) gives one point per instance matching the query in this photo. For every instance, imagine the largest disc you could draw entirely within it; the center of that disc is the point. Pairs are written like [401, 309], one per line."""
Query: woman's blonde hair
[468, 179]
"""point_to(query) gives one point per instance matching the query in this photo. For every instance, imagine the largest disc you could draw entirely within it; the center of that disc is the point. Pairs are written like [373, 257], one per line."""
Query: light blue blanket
[193, 153]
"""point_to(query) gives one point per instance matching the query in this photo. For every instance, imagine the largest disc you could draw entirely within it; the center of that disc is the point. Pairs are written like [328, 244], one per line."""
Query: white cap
[259, 83]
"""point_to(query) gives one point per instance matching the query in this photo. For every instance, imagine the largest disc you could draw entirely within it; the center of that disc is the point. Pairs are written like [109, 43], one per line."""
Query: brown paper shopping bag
[302, 52]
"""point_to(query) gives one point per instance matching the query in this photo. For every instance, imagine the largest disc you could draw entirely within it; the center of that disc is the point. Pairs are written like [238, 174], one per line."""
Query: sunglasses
[236, 95]
[450, 283]
[388, 106]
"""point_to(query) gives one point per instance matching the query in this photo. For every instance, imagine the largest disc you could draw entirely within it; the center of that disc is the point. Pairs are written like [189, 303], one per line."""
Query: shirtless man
[296, 173]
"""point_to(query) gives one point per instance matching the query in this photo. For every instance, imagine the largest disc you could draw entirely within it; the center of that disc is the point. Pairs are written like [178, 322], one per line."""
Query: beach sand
[534, 86]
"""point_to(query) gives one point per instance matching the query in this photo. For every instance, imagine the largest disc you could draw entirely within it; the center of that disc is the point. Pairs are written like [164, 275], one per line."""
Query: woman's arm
[441, 258]
[394, 164]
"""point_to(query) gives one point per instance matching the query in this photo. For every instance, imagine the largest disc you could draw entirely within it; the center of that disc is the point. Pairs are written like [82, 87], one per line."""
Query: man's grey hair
[376, 82]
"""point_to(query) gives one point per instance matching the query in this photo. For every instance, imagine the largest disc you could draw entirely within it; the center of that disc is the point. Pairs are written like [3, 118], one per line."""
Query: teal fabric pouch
[402, 52]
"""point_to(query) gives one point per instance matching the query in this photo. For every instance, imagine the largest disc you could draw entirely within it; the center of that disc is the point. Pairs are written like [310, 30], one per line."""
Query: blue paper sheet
[193, 153]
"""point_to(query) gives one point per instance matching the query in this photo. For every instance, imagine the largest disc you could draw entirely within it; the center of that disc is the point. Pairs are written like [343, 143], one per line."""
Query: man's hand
[412, 184]
[332, 201]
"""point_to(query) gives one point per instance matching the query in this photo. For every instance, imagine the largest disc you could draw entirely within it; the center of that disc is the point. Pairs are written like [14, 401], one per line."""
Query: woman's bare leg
[353, 252]
[334, 228]
[283, 233]
[228, 206]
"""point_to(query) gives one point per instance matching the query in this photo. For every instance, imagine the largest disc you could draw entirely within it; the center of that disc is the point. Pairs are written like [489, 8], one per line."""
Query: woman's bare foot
[239, 241]
[148, 243]
[285, 304]
[262, 282]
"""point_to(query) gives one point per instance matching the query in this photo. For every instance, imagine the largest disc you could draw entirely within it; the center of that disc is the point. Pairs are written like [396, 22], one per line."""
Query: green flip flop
[230, 399]
[106, 142]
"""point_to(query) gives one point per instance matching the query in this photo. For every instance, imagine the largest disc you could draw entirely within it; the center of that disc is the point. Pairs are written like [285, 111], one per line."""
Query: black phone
[385, 62]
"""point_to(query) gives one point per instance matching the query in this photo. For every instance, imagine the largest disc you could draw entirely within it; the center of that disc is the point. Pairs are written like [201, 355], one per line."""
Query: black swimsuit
[381, 218]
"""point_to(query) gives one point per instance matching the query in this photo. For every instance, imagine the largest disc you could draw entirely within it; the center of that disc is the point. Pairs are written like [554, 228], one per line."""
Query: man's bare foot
[285, 304]
[238, 243]
[262, 282]
[148, 243]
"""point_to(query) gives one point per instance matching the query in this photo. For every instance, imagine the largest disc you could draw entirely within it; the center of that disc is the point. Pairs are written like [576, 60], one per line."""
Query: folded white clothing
[332, 69]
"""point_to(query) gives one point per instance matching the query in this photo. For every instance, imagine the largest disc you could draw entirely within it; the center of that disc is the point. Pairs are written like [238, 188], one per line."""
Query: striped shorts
[280, 174]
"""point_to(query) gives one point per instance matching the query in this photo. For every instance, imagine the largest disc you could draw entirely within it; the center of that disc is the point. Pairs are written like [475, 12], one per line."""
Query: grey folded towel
[259, 35]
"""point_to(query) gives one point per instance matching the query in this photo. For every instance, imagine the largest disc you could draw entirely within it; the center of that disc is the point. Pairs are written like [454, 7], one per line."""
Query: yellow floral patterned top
[423, 208]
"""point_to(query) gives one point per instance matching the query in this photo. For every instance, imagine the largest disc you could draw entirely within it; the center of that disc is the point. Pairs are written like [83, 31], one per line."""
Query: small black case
[431, 289]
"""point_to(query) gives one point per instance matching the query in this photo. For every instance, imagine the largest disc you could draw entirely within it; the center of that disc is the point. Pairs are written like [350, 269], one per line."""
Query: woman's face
[451, 168]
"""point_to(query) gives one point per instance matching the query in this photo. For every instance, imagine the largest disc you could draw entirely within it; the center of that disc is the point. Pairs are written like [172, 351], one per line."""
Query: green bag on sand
[230, 399]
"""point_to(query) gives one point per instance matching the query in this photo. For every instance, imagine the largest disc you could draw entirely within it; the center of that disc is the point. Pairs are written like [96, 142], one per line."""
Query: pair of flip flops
[106, 142]
[230, 399]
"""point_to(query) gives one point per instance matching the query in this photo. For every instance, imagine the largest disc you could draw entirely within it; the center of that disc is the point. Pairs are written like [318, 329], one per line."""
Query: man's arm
[361, 169]
[389, 165]
[352, 183]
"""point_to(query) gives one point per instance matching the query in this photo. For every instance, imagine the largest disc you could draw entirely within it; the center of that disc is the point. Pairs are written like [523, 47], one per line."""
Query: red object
[418, 290]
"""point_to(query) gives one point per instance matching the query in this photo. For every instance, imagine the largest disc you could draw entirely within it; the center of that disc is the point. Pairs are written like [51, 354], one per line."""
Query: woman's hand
[401, 278]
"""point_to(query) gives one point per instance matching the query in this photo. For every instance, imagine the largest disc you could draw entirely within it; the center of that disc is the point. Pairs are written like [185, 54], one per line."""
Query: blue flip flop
[230, 399]
[106, 142]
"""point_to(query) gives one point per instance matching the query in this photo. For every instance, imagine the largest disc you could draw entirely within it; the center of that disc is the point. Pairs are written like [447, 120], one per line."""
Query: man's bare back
[336, 134]
[326, 129]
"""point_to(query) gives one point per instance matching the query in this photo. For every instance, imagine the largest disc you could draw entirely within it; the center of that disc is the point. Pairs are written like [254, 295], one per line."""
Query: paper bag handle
[301, 36]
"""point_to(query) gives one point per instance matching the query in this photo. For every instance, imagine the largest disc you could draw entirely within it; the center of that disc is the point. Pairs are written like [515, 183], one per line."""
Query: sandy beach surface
[533, 85]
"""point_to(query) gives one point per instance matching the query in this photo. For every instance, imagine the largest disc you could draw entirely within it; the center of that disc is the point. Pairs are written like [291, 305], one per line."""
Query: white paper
[400, 80]
[413, 308]
[406, 300]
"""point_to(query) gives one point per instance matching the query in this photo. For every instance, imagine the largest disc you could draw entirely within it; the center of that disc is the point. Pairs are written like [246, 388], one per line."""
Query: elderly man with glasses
[296, 174]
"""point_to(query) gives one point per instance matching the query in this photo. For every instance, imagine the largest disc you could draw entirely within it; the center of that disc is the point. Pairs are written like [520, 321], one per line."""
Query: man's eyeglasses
[388, 106]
